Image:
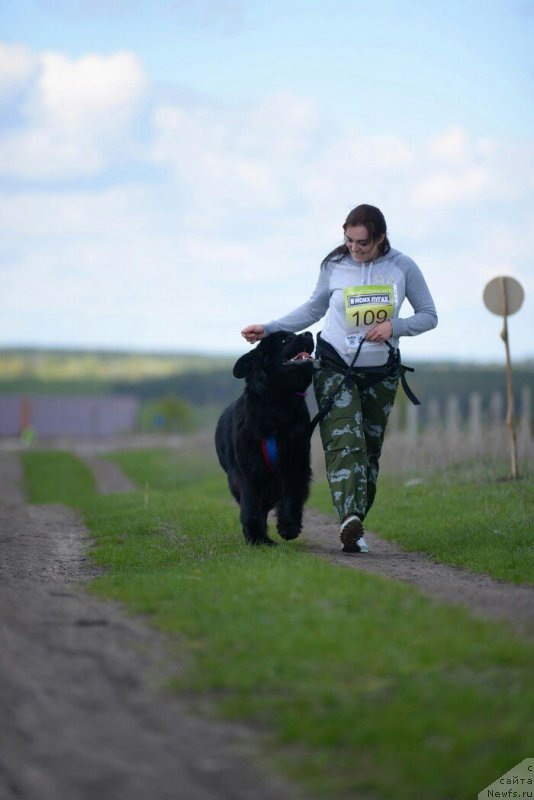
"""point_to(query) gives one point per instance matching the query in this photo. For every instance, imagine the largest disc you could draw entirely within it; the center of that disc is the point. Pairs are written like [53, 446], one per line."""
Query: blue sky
[173, 170]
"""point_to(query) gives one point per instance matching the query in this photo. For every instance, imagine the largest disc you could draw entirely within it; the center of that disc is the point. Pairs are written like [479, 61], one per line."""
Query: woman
[362, 285]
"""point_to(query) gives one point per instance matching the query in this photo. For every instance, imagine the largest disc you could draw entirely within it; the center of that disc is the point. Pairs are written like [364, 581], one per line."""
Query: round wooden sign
[503, 296]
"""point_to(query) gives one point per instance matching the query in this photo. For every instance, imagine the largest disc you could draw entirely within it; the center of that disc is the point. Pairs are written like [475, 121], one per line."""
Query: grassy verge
[362, 686]
[56, 478]
[464, 516]
[459, 517]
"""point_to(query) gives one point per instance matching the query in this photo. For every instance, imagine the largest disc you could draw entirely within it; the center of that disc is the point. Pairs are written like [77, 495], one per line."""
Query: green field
[358, 686]
[86, 365]
[72, 372]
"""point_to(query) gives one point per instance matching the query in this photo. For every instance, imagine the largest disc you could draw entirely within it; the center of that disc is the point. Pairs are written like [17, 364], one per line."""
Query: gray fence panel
[10, 415]
[69, 416]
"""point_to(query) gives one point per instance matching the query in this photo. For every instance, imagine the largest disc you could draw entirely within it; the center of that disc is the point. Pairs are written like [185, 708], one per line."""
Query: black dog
[263, 438]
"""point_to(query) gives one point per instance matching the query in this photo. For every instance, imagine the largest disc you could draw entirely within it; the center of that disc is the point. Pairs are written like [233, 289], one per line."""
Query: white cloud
[235, 159]
[280, 125]
[17, 66]
[452, 146]
[239, 209]
[78, 116]
[199, 148]
[96, 91]
[53, 215]
[447, 188]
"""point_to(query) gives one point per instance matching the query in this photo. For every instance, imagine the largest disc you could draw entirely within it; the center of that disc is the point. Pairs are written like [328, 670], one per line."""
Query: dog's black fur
[271, 405]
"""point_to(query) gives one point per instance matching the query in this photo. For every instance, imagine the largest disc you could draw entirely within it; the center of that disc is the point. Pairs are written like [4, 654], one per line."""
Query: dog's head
[282, 360]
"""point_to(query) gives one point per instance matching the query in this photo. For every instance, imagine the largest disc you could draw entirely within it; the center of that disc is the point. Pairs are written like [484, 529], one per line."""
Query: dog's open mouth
[300, 357]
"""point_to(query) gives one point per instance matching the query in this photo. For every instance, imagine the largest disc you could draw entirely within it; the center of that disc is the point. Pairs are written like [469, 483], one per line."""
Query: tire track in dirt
[109, 477]
[81, 701]
[482, 596]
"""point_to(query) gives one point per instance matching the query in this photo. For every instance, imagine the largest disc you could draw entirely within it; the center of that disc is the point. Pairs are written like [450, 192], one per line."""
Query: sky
[173, 170]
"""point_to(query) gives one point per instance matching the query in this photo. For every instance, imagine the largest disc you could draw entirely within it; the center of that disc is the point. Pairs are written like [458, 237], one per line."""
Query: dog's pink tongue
[302, 357]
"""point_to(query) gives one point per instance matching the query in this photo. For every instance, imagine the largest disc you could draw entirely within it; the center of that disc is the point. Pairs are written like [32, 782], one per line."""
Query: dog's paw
[289, 533]
[267, 542]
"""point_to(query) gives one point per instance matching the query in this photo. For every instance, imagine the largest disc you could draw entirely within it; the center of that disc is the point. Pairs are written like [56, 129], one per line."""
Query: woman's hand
[253, 333]
[381, 332]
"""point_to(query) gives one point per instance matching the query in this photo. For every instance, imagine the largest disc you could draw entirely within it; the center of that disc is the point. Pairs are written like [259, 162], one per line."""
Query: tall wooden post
[510, 420]
[504, 296]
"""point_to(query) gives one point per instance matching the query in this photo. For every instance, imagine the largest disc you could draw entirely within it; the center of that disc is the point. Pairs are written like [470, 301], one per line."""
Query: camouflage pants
[352, 435]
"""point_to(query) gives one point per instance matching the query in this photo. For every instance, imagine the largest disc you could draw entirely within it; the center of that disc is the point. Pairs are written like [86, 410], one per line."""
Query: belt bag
[363, 377]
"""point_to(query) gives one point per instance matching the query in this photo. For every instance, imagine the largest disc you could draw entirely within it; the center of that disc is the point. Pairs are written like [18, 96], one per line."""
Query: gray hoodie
[357, 296]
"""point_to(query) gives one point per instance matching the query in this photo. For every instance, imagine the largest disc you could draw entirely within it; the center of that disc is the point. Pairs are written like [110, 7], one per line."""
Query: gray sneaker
[362, 544]
[350, 533]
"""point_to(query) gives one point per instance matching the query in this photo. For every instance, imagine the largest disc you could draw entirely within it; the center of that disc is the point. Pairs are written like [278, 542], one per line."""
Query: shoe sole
[351, 548]
[351, 532]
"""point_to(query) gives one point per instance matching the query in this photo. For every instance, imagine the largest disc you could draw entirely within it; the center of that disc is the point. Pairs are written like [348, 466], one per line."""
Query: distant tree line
[219, 387]
[180, 391]
[207, 389]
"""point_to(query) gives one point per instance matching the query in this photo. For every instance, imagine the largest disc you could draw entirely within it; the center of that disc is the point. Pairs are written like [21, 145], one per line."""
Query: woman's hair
[373, 220]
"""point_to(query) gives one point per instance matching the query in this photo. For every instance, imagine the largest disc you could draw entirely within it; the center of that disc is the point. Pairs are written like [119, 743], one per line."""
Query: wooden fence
[447, 415]
[445, 431]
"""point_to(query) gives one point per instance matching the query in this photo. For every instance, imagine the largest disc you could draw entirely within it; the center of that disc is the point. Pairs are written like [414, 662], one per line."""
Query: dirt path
[483, 596]
[109, 477]
[480, 594]
[83, 714]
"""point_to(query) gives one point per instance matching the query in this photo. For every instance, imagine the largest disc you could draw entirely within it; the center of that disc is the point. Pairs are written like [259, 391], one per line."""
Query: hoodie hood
[392, 255]
[387, 257]
[367, 269]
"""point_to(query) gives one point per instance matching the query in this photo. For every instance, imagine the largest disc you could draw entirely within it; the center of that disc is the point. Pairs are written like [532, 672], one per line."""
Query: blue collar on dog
[269, 449]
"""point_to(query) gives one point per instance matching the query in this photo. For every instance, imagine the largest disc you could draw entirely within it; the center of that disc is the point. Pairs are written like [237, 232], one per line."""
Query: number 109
[369, 317]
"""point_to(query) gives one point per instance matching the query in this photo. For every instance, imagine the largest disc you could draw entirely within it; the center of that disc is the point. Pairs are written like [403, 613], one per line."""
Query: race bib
[366, 306]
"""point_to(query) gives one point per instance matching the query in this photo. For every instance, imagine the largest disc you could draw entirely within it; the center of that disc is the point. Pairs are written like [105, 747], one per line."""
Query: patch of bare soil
[109, 477]
[83, 711]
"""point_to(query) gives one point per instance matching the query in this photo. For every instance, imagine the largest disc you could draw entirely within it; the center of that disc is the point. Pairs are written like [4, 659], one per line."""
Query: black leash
[402, 372]
[321, 414]
[394, 356]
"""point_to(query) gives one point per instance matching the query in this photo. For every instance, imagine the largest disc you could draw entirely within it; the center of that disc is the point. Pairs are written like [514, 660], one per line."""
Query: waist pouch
[365, 377]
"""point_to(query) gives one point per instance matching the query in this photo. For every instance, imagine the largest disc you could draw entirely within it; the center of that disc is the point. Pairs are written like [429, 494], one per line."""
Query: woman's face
[361, 246]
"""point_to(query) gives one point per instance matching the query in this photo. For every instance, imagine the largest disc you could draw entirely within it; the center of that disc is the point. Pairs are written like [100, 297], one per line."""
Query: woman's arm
[300, 318]
[418, 294]
[309, 312]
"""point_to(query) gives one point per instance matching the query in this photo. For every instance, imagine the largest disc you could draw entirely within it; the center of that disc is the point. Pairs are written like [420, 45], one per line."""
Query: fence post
[453, 416]
[496, 408]
[434, 414]
[394, 420]
[412, 421]
[526, 400]
[475, 422]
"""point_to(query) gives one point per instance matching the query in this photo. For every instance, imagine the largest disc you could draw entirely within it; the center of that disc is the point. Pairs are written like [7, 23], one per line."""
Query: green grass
[168, 470]
[462, 516]
[458, 517]
[361, 686]
[56, 477]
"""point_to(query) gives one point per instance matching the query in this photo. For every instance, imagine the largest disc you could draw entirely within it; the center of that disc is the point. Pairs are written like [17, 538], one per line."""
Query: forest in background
[194, 387]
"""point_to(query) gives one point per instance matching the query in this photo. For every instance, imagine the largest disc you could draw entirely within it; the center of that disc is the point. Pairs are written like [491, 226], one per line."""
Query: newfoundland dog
[263, 438]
